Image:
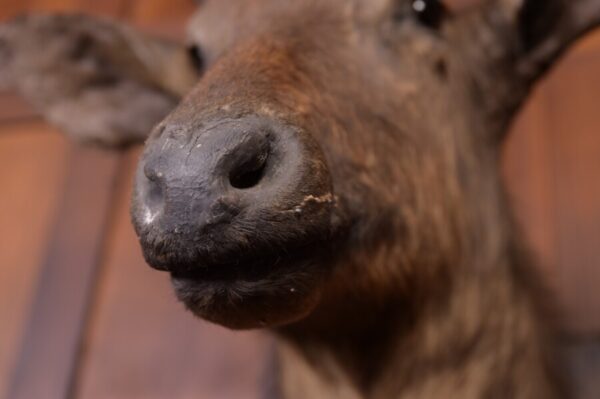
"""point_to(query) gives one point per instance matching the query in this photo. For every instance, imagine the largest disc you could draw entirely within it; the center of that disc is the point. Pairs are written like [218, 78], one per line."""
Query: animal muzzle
[229, 192]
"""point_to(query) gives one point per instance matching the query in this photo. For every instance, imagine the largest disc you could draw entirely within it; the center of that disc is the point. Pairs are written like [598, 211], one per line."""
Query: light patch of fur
[300, 379]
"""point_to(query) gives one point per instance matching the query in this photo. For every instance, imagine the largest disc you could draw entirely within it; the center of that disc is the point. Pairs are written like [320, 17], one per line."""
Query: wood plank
[116, 8]
[528, 170]
[169, 15]
[112, 8]
[50, 347]
[143, 344]
[574, 127]
[56, 5]
[9, 9]
[551, 164]
[32, 164]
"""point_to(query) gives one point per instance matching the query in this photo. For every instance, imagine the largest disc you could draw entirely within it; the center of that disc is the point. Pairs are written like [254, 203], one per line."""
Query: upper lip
[232, 267]
[226, 266]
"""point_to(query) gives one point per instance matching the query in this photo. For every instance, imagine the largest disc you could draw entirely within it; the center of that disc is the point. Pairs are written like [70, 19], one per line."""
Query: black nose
[199, 177]
[197, 181]
[222, 188]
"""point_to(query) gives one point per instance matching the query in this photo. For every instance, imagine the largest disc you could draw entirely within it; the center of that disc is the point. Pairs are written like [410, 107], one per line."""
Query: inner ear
[537, 20]
[546, 28]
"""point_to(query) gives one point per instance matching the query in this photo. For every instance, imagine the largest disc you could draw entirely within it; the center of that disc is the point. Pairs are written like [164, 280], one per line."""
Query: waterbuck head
[335, 149]
[334, 155]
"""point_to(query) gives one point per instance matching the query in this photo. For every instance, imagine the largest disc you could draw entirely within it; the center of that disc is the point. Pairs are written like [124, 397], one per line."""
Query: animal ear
[545, 28]
[96, 79]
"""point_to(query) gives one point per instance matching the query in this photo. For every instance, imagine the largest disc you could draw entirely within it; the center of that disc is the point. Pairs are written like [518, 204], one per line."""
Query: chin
[287, 293]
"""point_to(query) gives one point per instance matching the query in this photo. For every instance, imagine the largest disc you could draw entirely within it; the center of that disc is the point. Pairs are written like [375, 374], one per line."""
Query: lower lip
[224, 274]
[203, 286]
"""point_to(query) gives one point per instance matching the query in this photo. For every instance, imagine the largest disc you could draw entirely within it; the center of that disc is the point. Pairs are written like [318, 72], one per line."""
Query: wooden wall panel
[162, 14]
[50, 347]
[32, 165]
[552, 160]
[11, 8]
[573, 101]
[56, 5]
[529, 173]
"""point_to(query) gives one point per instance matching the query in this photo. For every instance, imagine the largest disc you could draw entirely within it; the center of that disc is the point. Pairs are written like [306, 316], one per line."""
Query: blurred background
[81, 316]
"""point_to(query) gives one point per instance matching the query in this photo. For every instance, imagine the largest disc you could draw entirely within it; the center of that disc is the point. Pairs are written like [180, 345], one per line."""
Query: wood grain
[551, 164]
[574, 119]
[32, 166]
[50, 347]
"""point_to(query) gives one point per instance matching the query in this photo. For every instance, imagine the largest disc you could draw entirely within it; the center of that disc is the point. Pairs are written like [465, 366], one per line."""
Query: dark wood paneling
[9, 9]
[529, 171]
[56, 5]
[32, 166]
[552, 160]
[50, 348]
[165, 15]
[574, 121]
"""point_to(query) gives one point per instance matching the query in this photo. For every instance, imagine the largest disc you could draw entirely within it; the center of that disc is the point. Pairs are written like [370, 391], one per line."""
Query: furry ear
[545, 28]
[509, 44]
[96, 79]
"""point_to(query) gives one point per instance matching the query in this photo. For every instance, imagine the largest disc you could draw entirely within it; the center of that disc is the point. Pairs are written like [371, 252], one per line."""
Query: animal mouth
[236, 267]
[252, 292]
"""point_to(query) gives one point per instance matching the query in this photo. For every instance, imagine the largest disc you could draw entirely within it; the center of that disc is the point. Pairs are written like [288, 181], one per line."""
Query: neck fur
[468, 328]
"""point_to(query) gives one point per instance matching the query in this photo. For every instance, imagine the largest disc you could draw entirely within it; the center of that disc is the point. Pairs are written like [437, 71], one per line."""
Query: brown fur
[417, 286]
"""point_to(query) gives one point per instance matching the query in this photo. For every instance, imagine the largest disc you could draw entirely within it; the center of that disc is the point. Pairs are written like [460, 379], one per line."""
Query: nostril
[249, 174]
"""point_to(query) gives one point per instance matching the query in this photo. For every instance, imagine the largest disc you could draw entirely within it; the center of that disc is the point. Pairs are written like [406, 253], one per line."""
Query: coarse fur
[376, 242]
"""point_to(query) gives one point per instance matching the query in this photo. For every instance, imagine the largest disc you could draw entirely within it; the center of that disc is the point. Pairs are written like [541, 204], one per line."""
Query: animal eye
[197, 57]
[429, 12]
